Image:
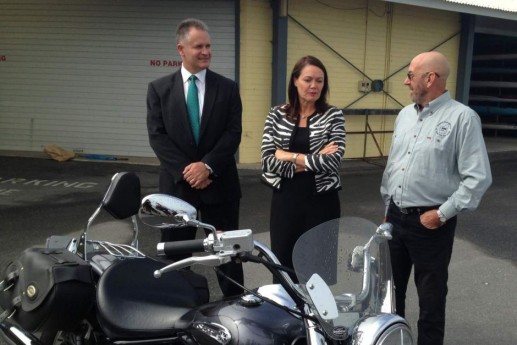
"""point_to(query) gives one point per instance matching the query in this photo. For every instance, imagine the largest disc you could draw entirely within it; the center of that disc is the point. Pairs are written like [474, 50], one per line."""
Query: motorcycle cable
[274, 268]
[265, 299]
[252, 258]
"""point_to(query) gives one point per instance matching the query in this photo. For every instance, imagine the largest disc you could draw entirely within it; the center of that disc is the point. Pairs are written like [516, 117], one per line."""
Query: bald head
[432, 62]
[427, 77]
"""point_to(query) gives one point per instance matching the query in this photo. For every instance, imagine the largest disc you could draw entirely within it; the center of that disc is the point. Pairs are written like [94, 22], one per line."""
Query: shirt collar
[186, 74]
[435, 103]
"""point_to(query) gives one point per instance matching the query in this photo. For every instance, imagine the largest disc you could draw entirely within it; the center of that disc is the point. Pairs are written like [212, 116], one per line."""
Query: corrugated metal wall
[75, 72]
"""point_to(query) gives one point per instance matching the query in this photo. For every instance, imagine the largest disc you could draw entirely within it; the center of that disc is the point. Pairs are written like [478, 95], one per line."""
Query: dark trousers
[295, 210]
[429, 251]
[223, 217]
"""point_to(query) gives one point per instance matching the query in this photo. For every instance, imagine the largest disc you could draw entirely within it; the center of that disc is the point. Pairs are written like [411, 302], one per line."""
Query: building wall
[103, 109]
[255, 74]
[362, 40]
[75, 72]
[414, 30]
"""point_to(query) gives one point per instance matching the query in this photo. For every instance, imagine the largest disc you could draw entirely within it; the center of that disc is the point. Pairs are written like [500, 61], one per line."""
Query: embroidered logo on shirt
[443, 129]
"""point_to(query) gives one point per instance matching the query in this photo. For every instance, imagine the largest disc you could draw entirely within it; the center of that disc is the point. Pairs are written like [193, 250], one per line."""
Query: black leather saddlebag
[50, 289]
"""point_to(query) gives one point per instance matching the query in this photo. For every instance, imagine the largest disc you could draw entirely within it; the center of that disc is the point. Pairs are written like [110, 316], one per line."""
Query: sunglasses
[411, 75]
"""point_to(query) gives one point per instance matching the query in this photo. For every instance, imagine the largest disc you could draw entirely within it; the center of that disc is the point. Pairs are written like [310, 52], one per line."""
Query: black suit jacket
[171, 137]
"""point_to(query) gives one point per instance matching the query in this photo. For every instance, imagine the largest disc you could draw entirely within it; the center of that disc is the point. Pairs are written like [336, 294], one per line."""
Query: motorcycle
[95, 292]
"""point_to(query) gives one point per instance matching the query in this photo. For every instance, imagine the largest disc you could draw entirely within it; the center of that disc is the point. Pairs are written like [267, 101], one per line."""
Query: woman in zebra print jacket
[302, 147]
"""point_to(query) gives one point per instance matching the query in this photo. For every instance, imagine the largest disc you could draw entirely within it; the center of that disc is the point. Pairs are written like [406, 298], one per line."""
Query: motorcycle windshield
[355, 266]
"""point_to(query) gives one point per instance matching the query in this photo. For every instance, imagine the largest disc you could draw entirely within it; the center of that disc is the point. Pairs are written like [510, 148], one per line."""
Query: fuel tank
[248, 320]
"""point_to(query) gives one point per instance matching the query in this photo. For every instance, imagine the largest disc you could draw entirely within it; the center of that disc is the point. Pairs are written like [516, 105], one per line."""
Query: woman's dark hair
[293, 108]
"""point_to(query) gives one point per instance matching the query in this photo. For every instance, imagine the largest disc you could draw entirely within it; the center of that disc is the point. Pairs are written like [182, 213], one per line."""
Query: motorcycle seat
[133, 304]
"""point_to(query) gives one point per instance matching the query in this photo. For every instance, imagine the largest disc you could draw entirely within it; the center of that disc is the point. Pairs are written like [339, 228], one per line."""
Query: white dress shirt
[200, 83]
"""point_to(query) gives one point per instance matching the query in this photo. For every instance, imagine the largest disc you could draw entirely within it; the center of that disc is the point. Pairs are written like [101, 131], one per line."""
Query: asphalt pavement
[40, 197]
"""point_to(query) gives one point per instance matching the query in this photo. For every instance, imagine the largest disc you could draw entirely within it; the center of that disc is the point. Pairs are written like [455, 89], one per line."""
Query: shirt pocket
[434, 157]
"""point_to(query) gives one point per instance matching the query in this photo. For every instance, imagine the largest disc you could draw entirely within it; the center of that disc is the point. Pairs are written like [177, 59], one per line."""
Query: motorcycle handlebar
[228, 245]
[180, 247]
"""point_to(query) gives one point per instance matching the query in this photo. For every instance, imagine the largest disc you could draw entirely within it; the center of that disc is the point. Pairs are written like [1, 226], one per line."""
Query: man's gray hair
[183, 28]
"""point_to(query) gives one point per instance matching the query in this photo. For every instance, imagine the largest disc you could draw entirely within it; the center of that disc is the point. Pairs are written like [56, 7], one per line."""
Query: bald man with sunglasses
[437, 168]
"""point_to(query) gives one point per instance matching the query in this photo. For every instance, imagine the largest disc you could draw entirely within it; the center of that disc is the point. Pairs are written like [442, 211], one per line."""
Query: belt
[415, 209]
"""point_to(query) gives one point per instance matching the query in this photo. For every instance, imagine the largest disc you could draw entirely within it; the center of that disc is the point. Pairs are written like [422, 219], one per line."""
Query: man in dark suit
[197, 164]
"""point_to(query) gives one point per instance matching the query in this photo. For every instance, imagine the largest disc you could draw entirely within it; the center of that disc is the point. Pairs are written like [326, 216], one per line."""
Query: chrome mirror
[165, 211]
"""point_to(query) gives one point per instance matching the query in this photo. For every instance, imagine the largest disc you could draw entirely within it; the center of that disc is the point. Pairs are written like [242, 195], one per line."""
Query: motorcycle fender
[370, 328]
[13, 334]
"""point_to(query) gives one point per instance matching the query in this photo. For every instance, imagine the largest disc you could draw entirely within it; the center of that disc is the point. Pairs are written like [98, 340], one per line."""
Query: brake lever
[224, 245]
[208, 260]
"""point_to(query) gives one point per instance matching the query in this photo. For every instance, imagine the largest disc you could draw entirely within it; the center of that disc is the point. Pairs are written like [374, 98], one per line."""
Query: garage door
[74, 73]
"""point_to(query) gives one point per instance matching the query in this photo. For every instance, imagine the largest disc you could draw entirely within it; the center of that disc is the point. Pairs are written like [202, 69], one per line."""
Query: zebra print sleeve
[276, 129]
[329, 128]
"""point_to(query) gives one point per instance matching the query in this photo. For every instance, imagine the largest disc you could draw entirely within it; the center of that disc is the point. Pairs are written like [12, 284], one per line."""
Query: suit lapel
[179, 107]
[208, 104]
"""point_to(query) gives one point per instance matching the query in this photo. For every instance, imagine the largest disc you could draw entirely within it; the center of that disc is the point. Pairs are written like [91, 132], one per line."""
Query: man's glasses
[411, 75]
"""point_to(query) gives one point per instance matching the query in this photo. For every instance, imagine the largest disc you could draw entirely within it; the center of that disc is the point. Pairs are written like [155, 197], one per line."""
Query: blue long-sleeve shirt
[437, 157]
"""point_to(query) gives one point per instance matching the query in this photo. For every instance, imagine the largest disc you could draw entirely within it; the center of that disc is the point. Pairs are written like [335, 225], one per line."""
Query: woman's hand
[328, 149]
[282, 155]
[287, 156]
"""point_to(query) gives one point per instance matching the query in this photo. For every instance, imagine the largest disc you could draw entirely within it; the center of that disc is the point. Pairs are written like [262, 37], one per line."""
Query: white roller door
[74, 72]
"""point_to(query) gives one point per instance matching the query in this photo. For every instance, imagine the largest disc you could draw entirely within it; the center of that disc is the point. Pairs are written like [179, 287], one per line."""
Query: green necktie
[193, 107]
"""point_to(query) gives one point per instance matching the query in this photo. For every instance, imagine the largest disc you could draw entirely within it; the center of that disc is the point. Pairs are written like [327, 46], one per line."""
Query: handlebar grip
[180, 247]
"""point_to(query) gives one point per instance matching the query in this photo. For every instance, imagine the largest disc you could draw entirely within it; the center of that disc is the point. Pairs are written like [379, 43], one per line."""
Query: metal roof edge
[459, 7]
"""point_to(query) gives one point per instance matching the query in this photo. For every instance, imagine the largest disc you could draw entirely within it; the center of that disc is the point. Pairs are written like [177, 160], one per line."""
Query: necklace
[306, 116]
